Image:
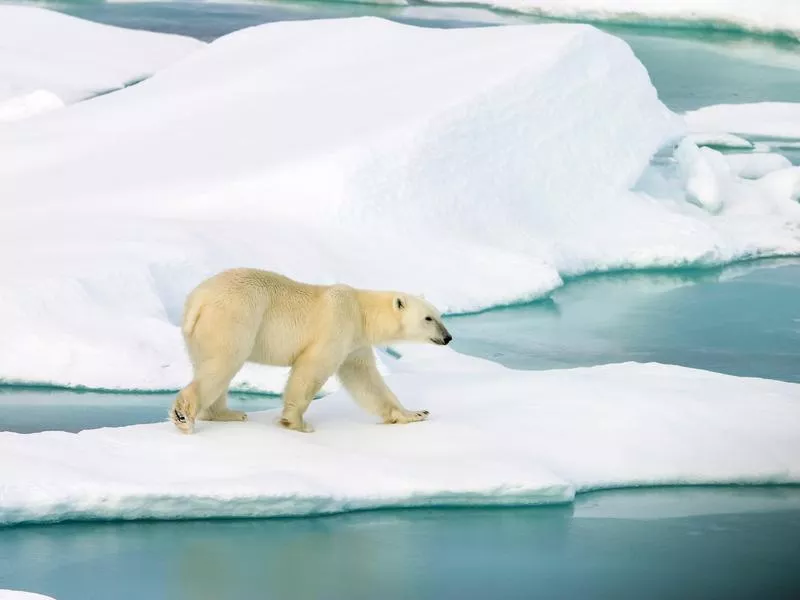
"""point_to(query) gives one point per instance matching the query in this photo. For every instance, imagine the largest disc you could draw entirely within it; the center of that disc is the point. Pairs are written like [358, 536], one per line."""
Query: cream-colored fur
[249, 315]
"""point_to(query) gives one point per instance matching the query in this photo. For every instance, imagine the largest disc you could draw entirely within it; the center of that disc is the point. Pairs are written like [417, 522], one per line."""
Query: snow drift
[496, 437]
[476, 166]
[48, 59]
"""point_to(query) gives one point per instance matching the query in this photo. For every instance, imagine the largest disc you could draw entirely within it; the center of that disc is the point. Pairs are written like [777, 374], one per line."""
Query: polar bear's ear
[399, 303]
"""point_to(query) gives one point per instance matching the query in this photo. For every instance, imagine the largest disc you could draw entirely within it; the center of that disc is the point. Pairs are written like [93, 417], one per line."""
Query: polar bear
[249, 315]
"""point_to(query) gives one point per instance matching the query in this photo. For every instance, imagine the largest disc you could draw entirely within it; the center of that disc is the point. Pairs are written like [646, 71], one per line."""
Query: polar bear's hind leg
[184, 409]
[219, 411]
[309, 373]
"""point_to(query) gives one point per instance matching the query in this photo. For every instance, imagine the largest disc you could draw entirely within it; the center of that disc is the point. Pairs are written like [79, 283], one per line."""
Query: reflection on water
[715, 543]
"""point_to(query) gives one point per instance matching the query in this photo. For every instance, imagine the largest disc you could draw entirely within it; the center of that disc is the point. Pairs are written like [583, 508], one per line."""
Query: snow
[764, 211]
[756, 165]
[769, 119]
[48, 59]
[496, 437]
[712, 179]
[15, 595]
[28, 105]
[765, 17]
[784, 183]
[702, 170]
[463, 164]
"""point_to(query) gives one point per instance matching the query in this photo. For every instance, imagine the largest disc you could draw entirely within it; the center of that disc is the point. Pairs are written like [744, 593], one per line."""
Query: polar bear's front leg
[360, 377]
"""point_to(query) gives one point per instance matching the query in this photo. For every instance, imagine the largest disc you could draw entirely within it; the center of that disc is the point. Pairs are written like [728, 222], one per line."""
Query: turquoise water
[663, 543]
[649, 544]
[41, 409]
[743, 320]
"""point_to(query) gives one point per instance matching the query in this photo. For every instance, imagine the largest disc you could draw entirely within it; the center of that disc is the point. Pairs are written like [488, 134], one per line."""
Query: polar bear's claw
[180, 421]
[407, 416]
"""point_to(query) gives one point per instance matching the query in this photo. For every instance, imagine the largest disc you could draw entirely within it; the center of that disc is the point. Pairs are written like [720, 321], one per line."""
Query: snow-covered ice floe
[48, 59]
[767, 119]
[771, 17]
[495, 437]
[15, 595]
[756, 165]
[475, 166]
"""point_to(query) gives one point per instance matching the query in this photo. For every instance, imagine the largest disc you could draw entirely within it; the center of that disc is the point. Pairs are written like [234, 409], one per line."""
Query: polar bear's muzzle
[444, 336]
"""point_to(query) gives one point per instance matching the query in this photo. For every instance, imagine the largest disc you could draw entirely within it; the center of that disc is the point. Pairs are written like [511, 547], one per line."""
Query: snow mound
[15, 595]
[704, 172]
[756, 165]
[46, 52]
[28, 105]
[772, 17]
[784, 183]
[496, 437]
[464, 164]
[769, 119]
[761, 213]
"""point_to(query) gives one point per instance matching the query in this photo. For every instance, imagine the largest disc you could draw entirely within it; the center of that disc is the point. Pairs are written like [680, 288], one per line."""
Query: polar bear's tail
[191, 315]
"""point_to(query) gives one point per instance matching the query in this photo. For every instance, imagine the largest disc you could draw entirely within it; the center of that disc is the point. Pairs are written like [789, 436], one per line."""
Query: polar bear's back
[281, 316]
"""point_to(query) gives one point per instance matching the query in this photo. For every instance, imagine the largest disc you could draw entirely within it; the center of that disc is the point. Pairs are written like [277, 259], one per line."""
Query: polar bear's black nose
[447, 338]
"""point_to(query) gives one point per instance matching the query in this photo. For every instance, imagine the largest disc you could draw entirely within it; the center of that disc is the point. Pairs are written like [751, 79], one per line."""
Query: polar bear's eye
[428, 319]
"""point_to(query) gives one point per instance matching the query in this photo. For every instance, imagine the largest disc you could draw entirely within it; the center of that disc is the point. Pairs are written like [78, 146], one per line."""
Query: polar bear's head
[420, 321]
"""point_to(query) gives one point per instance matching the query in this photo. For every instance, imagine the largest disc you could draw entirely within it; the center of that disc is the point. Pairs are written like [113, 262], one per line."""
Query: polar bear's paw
[184, 409]
[181, 421]
[407, 416]
[294, 425]
[227, 415]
